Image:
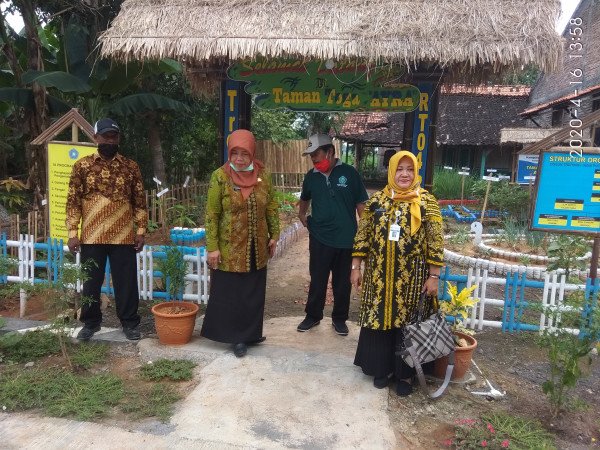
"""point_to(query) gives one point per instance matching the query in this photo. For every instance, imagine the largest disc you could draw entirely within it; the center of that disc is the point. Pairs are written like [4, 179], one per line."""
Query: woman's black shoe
[403, 388]
[381, 382]
[240, 350]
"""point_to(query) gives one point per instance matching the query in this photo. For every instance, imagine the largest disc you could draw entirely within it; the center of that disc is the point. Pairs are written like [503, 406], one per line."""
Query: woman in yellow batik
[401, 241]
[242, 229]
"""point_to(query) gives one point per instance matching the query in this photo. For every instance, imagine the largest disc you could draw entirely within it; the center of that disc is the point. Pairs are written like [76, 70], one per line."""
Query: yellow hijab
[411, 195]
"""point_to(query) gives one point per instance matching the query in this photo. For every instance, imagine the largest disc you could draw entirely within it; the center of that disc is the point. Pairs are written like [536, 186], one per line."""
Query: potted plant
[174, 319]
[458, 307]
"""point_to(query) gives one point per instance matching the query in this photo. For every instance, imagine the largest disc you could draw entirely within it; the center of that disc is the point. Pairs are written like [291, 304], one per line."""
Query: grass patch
[499, 430]
[156, 403]
[59, 393]
[29, 346]
[86, 355]
[179, 369]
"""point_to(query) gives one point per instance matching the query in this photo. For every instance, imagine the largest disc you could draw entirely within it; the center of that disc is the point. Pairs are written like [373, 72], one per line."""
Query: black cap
[106, 125]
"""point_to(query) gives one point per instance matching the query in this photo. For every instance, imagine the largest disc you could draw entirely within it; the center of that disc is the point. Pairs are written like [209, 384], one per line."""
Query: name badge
[394, 232]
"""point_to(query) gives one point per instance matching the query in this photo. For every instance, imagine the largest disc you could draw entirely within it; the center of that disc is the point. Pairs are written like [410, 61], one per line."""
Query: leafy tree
[309, 123]
[276, 126]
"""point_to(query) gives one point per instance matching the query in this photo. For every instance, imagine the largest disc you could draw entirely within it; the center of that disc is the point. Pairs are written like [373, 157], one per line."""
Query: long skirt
[376, 354]
[235, 309]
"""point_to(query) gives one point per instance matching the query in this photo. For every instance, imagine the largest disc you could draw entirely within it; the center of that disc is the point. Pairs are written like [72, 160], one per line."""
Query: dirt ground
[511, 362]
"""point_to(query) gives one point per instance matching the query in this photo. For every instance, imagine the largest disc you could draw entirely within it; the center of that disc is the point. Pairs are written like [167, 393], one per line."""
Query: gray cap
[316, 141]
[106, 125]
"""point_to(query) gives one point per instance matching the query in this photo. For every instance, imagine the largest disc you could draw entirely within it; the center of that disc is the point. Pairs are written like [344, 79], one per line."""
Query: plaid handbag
[425, 341]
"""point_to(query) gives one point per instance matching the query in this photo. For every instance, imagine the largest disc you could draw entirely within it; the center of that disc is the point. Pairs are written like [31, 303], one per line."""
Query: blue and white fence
[515, 304]
[41, 262]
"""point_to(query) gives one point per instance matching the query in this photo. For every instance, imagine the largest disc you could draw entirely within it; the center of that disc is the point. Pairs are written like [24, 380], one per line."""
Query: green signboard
[325, 85]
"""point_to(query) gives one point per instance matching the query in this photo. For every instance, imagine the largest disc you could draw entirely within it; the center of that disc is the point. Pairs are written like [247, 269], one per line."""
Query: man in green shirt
[336, 193]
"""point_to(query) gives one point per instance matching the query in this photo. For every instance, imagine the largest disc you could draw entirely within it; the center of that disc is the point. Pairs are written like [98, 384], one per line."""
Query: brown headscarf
[244, 140]
[411, 195]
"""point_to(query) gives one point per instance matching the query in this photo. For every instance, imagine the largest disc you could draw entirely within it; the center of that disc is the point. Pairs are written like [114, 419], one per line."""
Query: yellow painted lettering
[232, 95]
[316, 97]
[331, 97]
[408, 102]
[348, 102]
[277, 92]
[423, 103]
[420, 160]
[375, 103]
[231, 122]
[422, 118]
[296, 97]
[421, 142]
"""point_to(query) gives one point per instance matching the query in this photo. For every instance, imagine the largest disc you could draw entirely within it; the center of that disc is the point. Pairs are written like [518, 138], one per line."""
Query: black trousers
[323, 260]
[123, 268]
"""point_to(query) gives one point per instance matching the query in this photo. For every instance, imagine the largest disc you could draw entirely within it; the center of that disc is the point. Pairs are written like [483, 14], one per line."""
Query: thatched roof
[461, 36]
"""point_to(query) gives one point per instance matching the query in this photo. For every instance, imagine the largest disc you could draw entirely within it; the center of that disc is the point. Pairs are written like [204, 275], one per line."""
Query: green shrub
[447, 185]
[504, 196]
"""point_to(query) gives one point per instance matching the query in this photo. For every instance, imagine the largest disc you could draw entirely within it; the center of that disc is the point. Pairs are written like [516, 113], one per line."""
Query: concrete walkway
[295, 390]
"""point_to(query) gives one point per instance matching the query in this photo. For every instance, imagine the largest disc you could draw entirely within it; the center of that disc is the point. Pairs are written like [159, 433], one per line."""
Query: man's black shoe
[133, 334]
[340, 328]
[87, 332]
[240, 350]
[307, 324]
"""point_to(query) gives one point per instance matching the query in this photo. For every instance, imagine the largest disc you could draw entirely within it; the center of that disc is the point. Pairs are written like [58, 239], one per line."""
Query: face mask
[108, 150]
[248, 169]
[323, 165]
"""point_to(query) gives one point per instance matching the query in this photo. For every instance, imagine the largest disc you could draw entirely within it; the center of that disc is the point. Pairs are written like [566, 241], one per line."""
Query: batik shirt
[108, 198]
[235, 226]
[395, 271]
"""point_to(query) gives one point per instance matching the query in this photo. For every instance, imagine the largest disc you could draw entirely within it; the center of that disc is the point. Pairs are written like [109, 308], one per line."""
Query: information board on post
[567, 192]
[61, 158]
[527, 168]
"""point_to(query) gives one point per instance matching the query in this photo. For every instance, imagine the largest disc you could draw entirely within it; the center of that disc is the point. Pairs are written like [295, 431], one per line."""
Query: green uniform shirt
[333, 203]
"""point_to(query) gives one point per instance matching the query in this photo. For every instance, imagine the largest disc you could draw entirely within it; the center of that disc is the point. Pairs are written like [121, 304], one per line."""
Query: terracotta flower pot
[174, 322]
[462, 359]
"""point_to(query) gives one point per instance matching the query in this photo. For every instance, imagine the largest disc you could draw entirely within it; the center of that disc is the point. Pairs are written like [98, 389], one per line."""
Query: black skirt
[235, 309]
[375, 354]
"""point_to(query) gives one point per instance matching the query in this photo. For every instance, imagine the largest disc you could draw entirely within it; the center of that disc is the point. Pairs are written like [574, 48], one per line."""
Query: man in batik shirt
[106, 194]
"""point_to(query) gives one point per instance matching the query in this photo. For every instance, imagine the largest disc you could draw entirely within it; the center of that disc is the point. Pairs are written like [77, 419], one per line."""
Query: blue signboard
[527, 169]
[568, 192]
[421, 134]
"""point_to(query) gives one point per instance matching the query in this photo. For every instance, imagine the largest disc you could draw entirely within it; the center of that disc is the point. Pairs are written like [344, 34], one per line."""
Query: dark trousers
[323, 260]
[123, 269]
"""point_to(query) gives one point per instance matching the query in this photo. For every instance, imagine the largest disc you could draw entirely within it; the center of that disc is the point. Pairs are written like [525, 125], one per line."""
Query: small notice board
[567, 192]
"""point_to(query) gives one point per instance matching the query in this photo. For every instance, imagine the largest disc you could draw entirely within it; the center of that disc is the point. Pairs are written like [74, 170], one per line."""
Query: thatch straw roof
[466, 37]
